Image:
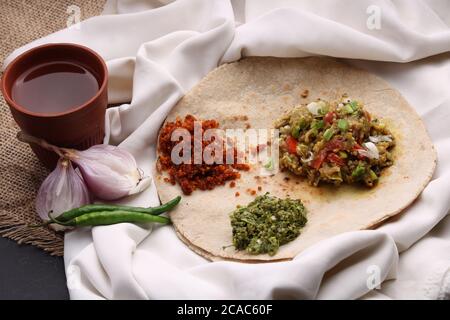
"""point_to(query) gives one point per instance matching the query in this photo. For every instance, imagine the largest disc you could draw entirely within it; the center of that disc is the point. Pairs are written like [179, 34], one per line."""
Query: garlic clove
[62, 190]
[110, 172]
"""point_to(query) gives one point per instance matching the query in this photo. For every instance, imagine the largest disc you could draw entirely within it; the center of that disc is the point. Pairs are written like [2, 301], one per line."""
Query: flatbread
[264, 88]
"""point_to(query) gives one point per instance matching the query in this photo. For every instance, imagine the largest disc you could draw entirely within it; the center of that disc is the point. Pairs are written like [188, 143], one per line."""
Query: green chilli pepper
[354, 105]
[71, 214]
[103, 218]
[359, 171]
[317, 124]
[343, 124]
[348, 109]
[328, 134]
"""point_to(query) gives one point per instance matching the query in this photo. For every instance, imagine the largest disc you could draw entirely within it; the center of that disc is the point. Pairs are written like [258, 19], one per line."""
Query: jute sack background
[22, 21]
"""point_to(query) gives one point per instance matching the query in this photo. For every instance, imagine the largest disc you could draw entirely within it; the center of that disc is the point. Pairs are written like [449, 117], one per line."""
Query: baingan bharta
[351, 150]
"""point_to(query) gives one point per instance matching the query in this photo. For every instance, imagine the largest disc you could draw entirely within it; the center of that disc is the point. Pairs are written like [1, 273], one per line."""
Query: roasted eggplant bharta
[334, 142]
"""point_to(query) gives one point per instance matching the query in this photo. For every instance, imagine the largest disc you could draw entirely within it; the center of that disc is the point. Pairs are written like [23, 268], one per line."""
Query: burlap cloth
[21, 173]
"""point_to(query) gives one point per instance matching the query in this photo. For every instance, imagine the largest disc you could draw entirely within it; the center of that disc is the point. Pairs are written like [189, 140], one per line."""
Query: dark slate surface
[27, 272]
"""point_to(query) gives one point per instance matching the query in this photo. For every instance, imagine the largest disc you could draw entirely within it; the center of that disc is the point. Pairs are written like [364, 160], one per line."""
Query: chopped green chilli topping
[266, 223]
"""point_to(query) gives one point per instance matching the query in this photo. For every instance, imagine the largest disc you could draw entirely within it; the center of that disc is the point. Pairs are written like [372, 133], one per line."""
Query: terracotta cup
[79, 127]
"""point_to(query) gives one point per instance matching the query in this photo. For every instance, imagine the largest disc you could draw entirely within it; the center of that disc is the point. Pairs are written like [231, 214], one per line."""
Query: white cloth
[155, 52]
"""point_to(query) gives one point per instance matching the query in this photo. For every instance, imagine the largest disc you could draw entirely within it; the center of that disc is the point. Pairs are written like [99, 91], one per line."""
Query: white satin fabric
[156, 51]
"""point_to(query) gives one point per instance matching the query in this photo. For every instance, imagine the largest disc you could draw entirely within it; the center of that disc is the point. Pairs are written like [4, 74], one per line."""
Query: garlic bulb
[62, 190]
[110, 172]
